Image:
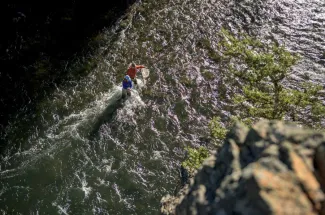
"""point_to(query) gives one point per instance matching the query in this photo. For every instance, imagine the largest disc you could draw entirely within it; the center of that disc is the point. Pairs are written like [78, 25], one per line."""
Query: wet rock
[272, 168]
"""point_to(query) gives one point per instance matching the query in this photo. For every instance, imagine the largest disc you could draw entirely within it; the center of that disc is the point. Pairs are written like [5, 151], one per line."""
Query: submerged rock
[272, 168]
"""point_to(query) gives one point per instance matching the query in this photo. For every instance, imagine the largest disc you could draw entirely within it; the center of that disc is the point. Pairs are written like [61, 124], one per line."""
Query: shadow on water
[107, 116]
[41, 43]
[117, 101]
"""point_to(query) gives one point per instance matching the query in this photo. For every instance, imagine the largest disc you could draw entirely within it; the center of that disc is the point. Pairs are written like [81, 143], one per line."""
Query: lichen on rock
[272, 168]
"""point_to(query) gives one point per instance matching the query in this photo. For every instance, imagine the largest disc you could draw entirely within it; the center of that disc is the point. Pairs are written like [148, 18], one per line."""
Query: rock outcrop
[272, 168]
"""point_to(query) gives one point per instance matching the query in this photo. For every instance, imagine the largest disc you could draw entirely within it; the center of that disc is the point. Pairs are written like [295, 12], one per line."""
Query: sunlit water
[81, 151]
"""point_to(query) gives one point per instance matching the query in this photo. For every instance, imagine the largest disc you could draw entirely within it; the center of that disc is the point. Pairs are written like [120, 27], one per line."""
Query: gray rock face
[272, 168]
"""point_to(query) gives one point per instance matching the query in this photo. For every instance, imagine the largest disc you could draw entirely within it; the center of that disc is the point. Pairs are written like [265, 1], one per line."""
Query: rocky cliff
[271, 168]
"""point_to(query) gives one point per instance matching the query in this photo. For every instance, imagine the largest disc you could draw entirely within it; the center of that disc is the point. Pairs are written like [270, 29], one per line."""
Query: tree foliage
[217, 130]
[262, 69]
[195, 157]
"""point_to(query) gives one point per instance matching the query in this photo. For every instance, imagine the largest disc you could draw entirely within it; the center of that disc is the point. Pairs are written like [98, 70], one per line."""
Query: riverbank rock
[272, 168]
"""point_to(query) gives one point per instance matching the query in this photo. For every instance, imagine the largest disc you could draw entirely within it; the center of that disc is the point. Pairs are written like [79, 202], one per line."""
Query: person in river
[127, 86]
[132, 71]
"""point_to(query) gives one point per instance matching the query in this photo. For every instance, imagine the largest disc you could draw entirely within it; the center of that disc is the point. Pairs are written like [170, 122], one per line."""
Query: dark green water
[79, 152]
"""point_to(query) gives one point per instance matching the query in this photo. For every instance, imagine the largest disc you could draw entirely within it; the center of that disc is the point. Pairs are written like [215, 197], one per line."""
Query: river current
[79, 151]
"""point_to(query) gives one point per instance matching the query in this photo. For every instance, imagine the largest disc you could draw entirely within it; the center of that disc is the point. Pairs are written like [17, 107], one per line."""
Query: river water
[81, 152]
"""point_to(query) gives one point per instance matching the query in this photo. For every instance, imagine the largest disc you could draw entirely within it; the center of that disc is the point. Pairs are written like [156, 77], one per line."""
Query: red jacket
[132, 71]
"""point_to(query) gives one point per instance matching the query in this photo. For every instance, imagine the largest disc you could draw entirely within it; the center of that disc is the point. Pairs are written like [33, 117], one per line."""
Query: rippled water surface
[81, 152]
